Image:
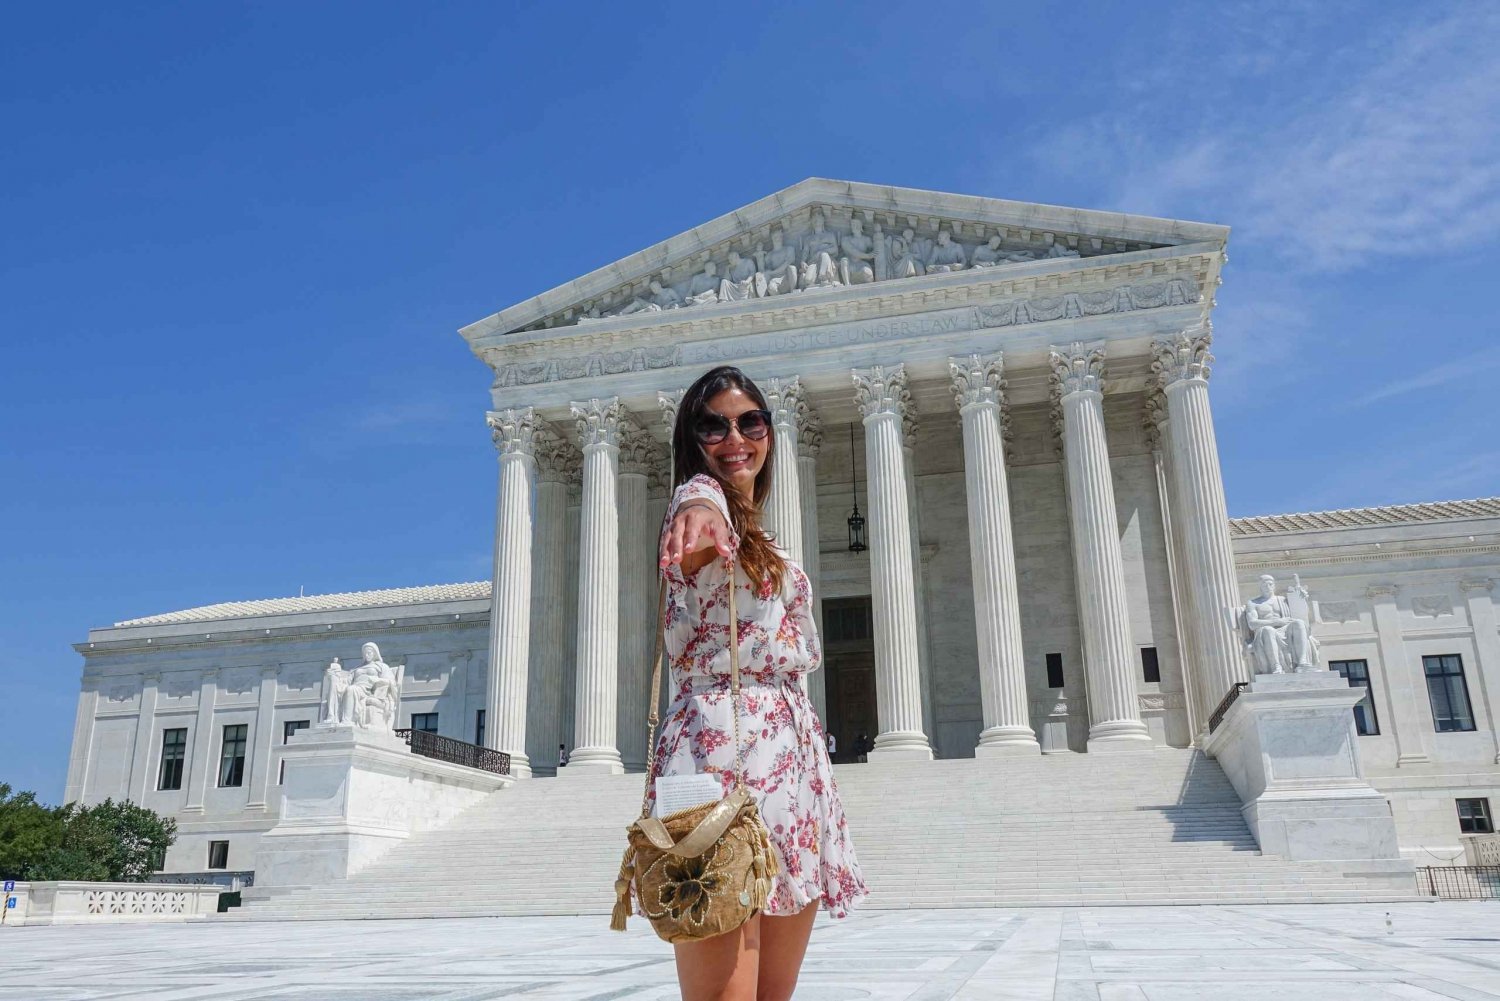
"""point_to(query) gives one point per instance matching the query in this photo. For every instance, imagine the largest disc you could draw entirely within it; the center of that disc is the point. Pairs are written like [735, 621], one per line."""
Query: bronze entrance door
[849, 660]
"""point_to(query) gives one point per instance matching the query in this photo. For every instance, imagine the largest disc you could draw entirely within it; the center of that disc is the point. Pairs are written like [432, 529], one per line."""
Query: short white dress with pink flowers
[786, 756]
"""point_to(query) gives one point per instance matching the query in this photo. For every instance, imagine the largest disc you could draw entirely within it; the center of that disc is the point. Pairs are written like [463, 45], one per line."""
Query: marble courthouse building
[1016, 396]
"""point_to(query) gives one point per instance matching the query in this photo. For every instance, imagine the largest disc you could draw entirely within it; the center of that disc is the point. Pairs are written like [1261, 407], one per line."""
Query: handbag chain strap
[652, 718]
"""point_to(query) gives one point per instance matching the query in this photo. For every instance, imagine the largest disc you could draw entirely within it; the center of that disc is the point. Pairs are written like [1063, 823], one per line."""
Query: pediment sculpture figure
[819, 248]
[739, 279]
[1277, 629]
[988, 255]
[1058, 250]
[857, 260]
[945, 255]
[704, 288]
[908, 260]
[662, 297]
[777, 272]
[366, 697]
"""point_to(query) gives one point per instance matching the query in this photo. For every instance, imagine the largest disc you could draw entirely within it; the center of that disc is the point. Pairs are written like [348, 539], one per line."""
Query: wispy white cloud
[1395, 151]
[1439, 375]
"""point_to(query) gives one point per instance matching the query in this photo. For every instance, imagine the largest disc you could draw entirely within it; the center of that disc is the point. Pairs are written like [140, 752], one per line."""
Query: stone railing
[1482, 849]
[76, 903]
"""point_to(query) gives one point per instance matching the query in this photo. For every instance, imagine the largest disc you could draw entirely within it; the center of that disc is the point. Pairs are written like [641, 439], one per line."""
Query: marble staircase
[1149, 827]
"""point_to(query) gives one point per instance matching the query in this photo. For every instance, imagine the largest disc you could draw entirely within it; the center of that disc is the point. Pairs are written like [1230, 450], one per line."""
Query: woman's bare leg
[722, 968]
[783, 943]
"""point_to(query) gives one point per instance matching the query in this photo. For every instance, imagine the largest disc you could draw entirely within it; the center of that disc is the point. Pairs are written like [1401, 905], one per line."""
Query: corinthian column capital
[977, 381]
[669, 401]
[558, 460]
[785, 398]
[1183, 356]
[639, 452]
[882, 390]
[513, 430]
[1077, 368]
[598, 422]
[1154, 416]
[810, 436]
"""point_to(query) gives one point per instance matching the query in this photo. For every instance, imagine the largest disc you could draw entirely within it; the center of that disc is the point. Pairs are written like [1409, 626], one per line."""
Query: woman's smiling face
[737, 459]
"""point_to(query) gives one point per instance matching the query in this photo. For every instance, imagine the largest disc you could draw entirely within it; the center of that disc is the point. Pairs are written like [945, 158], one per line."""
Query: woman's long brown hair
[757, 556]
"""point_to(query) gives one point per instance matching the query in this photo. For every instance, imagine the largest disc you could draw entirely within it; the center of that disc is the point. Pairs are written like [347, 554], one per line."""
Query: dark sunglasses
[711, 428]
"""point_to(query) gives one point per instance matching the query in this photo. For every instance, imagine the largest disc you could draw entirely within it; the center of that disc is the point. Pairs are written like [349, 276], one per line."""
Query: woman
[723, 445]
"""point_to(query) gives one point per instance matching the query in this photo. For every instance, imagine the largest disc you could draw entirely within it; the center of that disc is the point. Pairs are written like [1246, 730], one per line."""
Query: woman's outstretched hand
[698, 532]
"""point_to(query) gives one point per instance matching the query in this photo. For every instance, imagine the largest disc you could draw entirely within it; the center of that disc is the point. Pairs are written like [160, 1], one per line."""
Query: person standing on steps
[833, 746]
[562, 755]
[723, 445]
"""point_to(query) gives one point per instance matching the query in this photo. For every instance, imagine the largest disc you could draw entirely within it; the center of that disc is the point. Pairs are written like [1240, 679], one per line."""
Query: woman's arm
[698, 528]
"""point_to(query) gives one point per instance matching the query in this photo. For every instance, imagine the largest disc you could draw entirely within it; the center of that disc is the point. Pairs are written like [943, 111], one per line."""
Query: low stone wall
[76, 903]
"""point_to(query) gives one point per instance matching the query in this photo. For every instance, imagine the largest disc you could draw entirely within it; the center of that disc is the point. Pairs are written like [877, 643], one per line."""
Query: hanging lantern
[856, 520]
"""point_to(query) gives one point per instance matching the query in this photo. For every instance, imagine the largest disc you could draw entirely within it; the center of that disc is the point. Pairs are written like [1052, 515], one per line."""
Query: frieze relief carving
[826, 247]
[1017, 312]
[1338, 611]
[1431, 605]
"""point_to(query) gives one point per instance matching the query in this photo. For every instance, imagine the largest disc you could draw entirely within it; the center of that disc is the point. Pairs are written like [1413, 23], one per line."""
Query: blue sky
[236, 242]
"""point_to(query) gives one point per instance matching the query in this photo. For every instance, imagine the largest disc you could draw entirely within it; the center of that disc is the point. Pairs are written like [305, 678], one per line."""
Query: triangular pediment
[820, 234]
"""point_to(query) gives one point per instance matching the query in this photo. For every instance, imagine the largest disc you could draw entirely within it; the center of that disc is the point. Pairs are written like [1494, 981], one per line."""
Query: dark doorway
[849, 659]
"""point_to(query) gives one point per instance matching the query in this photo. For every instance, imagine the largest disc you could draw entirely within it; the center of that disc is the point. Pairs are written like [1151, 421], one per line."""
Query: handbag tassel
[764, 866]
[622, 893]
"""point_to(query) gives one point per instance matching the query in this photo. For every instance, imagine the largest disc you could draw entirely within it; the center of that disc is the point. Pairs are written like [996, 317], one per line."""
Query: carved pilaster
[558, 460]
[1154, 415]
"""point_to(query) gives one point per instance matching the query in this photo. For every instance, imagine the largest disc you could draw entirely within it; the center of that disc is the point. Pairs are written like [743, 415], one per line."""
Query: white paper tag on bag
[679, 792]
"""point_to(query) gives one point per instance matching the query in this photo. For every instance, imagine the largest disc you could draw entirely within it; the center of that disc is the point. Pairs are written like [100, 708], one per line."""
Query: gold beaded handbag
[708, 869]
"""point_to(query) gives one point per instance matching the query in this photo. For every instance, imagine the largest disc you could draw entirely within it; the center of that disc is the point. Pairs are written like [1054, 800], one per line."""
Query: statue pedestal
[350, 795]
[1288, 746]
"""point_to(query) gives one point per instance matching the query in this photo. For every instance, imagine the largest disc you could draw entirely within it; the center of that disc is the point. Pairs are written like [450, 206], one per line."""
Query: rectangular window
[1474, 817]
[218, 854]
[479, 727]
[424, 721]
[1357, 673]
[1150, 666]
[1448, 692]
[288, 728]
[1054, 670]
[232, 756]
[173, 754]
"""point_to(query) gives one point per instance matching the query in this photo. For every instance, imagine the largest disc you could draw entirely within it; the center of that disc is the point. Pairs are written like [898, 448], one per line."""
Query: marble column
[82, 753]
[882, 397]
[263, 742]
[809, 443]
[201, 767]
[784, 506]
[558, 466]
[1477, 593]
[640, 459]
[918, 578]
[1411, 719]
[1182, 364]
[514, 433]
[596, 693]
[977, 387]
[145, 739]
[1158, 426]
[1108, 652]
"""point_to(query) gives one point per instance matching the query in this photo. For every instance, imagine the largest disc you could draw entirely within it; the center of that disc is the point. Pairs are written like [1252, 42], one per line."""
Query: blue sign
[10, 903]
[10, 884]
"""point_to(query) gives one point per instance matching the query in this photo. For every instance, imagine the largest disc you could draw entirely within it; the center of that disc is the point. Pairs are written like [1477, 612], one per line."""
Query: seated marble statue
[1061, 250]
[905, 256]
[662, 297]
[777, 272]
[988, 254]
[857, 263]
[946, 255]
[1277, 629]
[739, 279]
[704, 288]
[365, 697]
[819, 248]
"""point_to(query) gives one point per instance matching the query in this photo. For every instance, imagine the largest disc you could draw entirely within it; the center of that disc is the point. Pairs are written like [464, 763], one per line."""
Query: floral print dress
[786, 764]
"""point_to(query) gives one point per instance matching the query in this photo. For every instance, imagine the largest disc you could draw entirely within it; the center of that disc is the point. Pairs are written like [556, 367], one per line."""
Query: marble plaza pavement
[1334, 952]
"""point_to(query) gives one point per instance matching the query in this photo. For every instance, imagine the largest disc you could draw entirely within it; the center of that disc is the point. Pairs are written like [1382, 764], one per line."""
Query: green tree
[117, 842]
[28, 831]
